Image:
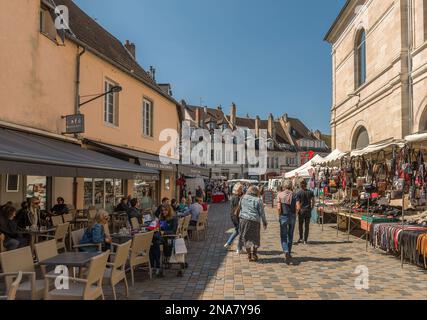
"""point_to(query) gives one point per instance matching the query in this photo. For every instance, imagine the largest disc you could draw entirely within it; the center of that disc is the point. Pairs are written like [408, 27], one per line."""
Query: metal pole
[403, 223]
[349, 217]
[367, 223]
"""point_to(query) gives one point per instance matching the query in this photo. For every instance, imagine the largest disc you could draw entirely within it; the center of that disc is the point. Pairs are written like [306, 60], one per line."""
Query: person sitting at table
[165, 203]
[34, 212]
[182, 207]
[5, 206]
[195, 209]
[168, 226]
[122, 206]
[23, 216]
[174, 205]
[9, 227]
[95, 233]
[133, 211]
[60, 208]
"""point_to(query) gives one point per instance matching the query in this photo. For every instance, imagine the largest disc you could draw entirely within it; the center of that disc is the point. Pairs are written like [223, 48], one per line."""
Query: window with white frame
[111, 108]
[147, 118]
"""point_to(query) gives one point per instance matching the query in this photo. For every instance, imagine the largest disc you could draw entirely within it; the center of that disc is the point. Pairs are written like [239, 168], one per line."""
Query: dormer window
[47, 24]
[212, 125]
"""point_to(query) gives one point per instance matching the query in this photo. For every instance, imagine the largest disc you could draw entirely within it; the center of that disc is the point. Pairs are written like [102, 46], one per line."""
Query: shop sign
[74, 124]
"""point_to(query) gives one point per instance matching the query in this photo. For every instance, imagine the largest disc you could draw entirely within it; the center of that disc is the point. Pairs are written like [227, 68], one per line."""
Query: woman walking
[235, 212]
[286, 206]
[251, 215]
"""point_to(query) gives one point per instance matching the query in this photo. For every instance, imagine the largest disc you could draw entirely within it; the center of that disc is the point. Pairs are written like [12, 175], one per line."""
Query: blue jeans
[235, 234]
[287, 227]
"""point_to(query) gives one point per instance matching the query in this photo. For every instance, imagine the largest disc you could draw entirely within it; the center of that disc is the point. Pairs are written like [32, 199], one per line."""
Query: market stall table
[218, 198]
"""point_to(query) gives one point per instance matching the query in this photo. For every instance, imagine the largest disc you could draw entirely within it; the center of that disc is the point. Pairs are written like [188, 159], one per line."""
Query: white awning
[386, 145]
[304, 170]
[417, 138]
[336, 155]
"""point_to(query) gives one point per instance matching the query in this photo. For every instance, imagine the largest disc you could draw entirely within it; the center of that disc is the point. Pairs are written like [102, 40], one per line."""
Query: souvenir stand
[327, 178]
[375, 169]
[385, 188]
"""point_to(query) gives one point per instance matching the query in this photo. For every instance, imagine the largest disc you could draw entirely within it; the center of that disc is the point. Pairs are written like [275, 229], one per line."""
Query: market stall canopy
[419, 138]
[304, 170]
[386, 145]
[32, 154]
[336, 155]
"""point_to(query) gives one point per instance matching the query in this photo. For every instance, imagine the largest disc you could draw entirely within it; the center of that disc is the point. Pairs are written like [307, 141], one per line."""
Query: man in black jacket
[134, 212]
[305, 205]
[8, 226]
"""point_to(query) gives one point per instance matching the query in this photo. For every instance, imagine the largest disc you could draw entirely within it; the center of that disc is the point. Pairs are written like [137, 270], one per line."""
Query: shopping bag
[180, 247]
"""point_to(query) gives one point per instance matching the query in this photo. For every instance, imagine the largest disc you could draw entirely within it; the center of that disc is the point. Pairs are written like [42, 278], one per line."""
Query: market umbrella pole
[403, 224]
[367, 224]
[349, 217]
[337, 208]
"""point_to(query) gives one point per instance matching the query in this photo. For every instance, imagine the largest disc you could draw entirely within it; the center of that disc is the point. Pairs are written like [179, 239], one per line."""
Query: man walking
[286, 206]
[305, 205]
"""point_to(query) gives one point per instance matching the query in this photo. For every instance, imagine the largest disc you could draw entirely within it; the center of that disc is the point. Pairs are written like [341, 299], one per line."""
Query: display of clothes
[422, 247]
[395, 238]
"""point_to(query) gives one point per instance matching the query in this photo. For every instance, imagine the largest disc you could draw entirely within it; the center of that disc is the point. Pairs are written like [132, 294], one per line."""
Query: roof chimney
[271, 126]
[131, 48]
[285, 117]
[198, 116]
[233, 114]
[257, 126]
[153, 73]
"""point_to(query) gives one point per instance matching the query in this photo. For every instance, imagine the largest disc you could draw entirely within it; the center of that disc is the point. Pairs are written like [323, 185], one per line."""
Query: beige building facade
[379, 60]
[45, 77]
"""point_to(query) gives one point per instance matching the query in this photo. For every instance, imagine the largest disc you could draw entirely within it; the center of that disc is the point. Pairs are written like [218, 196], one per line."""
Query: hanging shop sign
[74, 123]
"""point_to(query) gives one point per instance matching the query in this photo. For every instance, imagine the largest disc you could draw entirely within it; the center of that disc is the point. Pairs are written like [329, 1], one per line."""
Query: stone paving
[324, 269]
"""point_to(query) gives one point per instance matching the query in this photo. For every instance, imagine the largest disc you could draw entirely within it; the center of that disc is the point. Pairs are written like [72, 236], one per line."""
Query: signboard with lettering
[74, 124]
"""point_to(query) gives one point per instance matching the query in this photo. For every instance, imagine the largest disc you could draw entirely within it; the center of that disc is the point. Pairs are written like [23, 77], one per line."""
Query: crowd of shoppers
[248, 216]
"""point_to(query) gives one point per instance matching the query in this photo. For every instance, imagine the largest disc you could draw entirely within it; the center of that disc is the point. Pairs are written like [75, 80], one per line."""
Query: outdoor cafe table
[35, 233]
[70, 259]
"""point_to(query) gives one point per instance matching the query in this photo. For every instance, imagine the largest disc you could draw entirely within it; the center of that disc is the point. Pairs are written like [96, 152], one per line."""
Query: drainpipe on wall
[77, 100]
[77, 111]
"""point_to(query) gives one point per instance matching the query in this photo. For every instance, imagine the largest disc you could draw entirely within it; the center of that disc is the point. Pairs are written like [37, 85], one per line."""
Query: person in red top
[205, 206]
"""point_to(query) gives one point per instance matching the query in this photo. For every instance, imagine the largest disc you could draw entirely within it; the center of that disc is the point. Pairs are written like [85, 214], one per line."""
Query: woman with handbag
[235, 212]
[251, 216]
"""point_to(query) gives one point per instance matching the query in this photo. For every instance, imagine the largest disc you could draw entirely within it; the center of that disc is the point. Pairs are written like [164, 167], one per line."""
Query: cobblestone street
[323, 269]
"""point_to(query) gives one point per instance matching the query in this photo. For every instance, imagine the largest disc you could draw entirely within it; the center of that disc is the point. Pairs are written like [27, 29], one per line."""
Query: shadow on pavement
[318, 243]
[298, 260]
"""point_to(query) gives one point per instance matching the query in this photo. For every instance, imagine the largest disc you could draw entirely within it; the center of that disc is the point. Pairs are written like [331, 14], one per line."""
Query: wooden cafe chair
[87, 288]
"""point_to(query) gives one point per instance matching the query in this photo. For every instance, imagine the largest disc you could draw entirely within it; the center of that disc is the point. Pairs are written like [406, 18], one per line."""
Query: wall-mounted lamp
[115, 89]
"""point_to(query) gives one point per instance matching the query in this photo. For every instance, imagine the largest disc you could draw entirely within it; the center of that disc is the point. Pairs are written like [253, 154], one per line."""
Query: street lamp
[115, 89]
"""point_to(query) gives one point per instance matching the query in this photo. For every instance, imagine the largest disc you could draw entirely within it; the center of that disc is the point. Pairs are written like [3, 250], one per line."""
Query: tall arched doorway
[360, 138]
[422, 125]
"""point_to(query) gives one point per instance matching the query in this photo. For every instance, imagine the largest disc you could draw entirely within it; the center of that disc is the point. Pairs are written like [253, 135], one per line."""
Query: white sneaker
[227, 246]
[237, 251]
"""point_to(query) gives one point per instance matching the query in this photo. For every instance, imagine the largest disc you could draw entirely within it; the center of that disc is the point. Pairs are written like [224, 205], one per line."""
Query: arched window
[360, 55]
[360, 139]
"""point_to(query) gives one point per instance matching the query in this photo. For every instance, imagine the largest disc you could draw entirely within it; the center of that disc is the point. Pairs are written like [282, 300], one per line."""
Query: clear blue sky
[264, 55]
